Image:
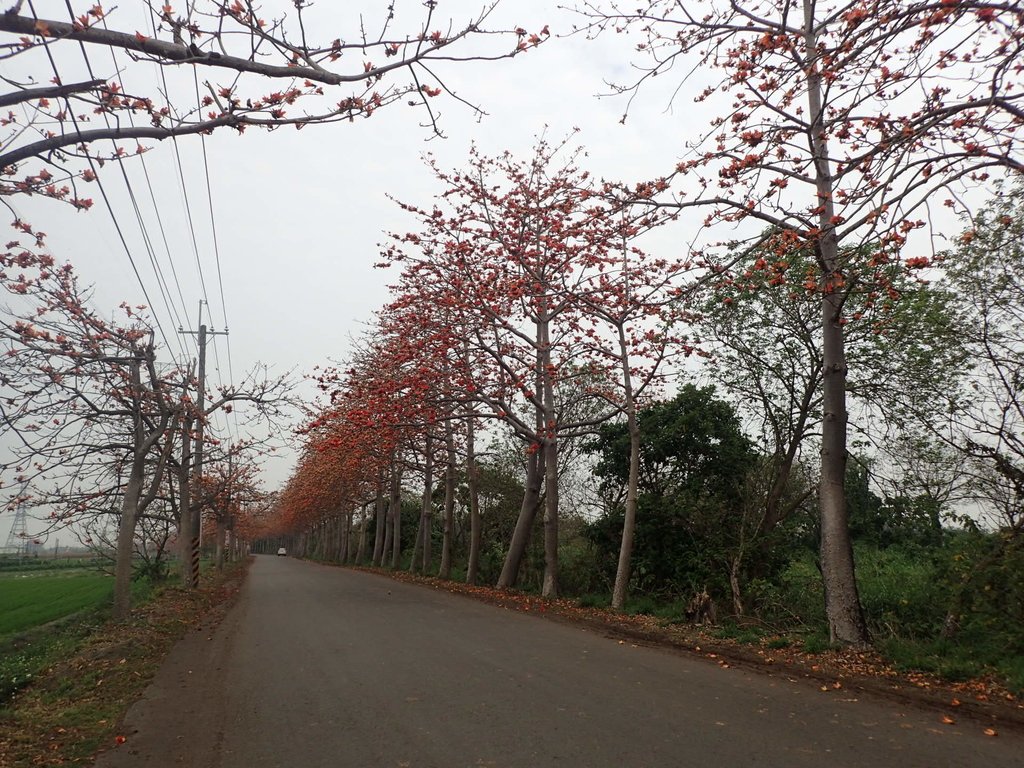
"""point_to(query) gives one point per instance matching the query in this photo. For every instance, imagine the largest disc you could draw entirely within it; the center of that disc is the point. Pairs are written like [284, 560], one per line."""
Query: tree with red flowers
[248, 70]
[520, 257]
[86, 406]
[633, 323]
[835, 127]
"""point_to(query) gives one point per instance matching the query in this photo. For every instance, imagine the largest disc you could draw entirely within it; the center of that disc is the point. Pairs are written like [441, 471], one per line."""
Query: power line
[103, 191]
[216, 252]
[143, 229]
[156, 209]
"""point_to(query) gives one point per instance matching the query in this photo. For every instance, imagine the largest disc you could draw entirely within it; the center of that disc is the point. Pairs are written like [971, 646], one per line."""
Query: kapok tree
[518, 258]
[418, 337]
[85, 404]
[760, 326]
[354, 446]
[633, 323]
[337, 472]
[230, 482]
[834, 126]
[244, 70]
[509, 247]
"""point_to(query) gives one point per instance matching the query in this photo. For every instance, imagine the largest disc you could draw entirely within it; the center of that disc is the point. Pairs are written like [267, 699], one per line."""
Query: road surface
[321, 667]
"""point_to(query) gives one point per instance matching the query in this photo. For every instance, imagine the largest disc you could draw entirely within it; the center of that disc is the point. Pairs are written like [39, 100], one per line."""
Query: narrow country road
[320, 667]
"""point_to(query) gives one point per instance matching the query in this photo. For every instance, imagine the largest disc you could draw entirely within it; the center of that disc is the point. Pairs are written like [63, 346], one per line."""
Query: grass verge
[40, 599]
[94, 669]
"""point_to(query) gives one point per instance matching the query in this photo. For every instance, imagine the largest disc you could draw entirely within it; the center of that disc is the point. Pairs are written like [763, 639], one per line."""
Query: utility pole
[191, 526]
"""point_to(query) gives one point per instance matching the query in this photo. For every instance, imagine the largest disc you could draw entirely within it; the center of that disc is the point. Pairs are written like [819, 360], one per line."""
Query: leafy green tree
[760, 325]
[694, 461]
[986, 271]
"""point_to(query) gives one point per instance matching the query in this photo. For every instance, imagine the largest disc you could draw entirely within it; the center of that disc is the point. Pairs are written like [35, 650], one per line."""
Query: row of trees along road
[835, 132]
[839, 135]
[104, 433]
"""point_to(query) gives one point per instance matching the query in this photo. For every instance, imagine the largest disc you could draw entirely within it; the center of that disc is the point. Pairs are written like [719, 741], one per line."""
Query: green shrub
[674, 612]
[744, 633]
[902, 592]
[591, 600]
[800, 592]
[643, 605]
[816, 642]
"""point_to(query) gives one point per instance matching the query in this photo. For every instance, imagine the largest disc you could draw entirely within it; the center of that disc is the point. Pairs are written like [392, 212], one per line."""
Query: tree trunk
[222, 535]
[380, 523]
[185, 530]
[842, 602]
[475, 529]
[130, 503]
[126, 542]
[395, 511]
[361, 548]
[388, 533]
[445, 571]
[524, 523]
[345, 540]
[423, 526]
[734, 583]
[428, 508]
[550, 448]
[414, 560]
[622, 573]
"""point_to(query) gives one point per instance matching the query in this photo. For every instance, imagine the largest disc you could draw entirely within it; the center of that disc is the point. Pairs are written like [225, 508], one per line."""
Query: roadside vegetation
[66, 685]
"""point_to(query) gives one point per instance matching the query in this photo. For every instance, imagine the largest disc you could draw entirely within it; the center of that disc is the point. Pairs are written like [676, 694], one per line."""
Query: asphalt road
[324, 667]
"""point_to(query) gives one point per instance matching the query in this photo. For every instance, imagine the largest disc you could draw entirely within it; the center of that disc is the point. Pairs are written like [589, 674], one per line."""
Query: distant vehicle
[281, 552]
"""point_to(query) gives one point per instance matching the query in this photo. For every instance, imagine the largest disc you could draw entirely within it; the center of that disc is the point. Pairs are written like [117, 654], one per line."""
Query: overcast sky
[299, 214]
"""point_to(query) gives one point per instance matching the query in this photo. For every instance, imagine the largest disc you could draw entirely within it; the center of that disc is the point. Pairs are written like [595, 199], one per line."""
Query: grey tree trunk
[345, 538]
[421, 542]
[524, 523]
[380, 523]
[734, 583]
[428, 508]
[445, 571]
[550, 448]
[221, 541]
[126, 540]
[361, 548]
[414, 560]
[623, 571]
[395, 512]
[842, 602]
[185, 531]
[475, 529]
[388, 532]
[145, 435]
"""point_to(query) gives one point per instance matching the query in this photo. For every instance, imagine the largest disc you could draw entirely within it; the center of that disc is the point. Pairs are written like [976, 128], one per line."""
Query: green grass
[594, 601]
[36, 600]
[953, 661]
[23, 657]
[83, 673]
[730, 630]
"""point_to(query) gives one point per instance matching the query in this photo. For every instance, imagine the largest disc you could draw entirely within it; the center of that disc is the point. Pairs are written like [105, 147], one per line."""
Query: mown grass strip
[29, 602]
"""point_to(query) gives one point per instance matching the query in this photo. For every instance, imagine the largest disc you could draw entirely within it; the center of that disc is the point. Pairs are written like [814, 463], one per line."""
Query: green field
[29, 601]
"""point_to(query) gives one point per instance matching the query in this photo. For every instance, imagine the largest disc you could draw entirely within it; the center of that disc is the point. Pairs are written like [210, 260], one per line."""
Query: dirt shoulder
[74, 708]
[983, 701]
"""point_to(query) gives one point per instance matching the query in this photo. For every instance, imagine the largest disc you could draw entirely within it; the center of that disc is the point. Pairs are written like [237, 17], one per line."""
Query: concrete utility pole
[191, 527]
